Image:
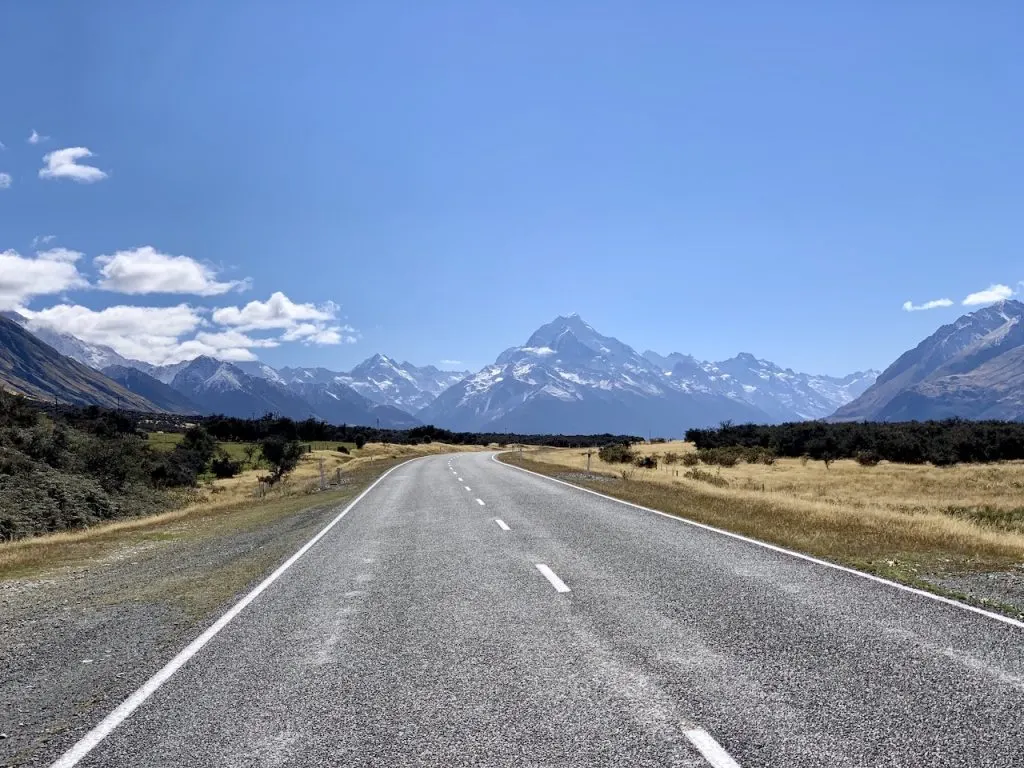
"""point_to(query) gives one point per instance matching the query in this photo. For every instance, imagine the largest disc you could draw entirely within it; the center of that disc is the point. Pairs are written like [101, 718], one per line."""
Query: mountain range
[567, 377]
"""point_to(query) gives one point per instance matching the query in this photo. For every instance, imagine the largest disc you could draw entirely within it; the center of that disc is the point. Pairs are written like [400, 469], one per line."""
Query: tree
[360, 441]
[282, 455]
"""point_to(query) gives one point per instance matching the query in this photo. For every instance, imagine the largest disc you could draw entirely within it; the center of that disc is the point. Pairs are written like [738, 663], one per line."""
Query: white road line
[502, 524]
[459, 479]
[550, 575]
[89, 742]
[480, 502]
[467, 488]
[781, 550]
[710, 749]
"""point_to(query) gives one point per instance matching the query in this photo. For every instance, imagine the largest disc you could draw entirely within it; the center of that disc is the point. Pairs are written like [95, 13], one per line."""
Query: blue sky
[436, 180]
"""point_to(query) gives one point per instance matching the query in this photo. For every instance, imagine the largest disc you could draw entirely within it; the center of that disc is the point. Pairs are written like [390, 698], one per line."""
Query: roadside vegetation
[918, 523]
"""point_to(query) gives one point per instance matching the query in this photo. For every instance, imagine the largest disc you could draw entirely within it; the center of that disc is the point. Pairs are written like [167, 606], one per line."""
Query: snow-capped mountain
[569, 378]
[380, 379]
[972, 368]
[96, 356]
[221, 387]
[782, 393]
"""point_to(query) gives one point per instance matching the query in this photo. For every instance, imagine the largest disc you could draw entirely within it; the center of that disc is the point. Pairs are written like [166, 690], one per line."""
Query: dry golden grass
[890, 519]
[219, 504]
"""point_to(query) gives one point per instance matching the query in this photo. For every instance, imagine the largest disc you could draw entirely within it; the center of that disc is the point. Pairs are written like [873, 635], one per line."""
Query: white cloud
[49, 272]
[911, 307]
[451, 362]
[35, 138]
[276, 312]
[151, 334]
[992, 294]
[63, 164]
[6, 180]
[42, 239]
[308, 323]
[234, 339]
[146, 270]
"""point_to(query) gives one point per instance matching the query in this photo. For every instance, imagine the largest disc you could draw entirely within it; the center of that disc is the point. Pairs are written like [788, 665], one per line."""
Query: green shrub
[617, 453]
[360, 441]
[646, 462]
[670, 457]
[868, 458]
[690, 459]
[222, 465]
[343, 449]
[722, 457]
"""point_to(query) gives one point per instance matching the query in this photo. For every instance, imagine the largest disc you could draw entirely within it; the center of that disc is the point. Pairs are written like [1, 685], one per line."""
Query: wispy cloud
[63, 164]
[6, 180]
[451, 362]
[42, 240]
[146, 270]
[35, 138]
[909, 306]
[992, 294]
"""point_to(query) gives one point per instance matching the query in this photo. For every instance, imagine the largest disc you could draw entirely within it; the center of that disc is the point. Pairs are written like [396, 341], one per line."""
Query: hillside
[165, 397]
[972, 368]
[34, 369]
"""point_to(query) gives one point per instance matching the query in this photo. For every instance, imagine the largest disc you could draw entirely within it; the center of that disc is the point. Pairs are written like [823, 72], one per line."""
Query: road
[468, 613]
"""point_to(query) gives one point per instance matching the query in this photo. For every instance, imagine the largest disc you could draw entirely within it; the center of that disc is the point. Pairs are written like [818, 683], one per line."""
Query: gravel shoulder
[80, 634]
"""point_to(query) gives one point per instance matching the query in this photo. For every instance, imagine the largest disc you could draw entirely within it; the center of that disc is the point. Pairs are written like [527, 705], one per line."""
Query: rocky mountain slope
[972, 368]
[155, 391]
[30, 367]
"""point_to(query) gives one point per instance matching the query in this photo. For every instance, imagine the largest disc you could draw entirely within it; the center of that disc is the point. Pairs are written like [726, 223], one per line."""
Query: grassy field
[916, 524]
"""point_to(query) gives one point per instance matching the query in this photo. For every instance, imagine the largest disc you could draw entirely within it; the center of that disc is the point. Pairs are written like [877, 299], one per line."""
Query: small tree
[360, 441]
[222, 466]
[282, 456]
[250, 455]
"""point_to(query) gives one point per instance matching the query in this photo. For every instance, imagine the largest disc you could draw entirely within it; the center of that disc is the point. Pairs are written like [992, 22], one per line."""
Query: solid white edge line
[90, 740]
[809, 558]
[480, 502]
[710, 749]
[551, 576]
[502, 524]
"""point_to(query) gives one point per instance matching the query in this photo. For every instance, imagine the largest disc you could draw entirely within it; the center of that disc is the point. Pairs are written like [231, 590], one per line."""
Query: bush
[343, 449]
[759, 456]
[722, 457]
[690, 459]
[646, 462]
[670, 457]
[360, 441]
[868, 458]
[223, 467]
[616, 454]
[282, 456]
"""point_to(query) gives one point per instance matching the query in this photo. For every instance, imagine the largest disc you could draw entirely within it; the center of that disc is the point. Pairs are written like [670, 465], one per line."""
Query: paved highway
[468, 613]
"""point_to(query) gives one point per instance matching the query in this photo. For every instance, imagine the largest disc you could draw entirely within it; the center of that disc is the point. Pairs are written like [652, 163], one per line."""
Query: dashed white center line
[459, 479]
[710, 749]
[502, 524]
[467, 488]
[551, 576]
[480, 502]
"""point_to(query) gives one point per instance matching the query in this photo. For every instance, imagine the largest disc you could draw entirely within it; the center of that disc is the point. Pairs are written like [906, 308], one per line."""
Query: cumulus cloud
[63, 164]
[48, 272]
[146, 270]
[6, 180]
[151, 334]
[992, 294]
[308, 323]
[909, 306]
[35, 138]
[231, 339]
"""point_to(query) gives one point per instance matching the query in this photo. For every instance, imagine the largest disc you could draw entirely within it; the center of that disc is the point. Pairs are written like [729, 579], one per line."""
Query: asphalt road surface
[468, 613]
